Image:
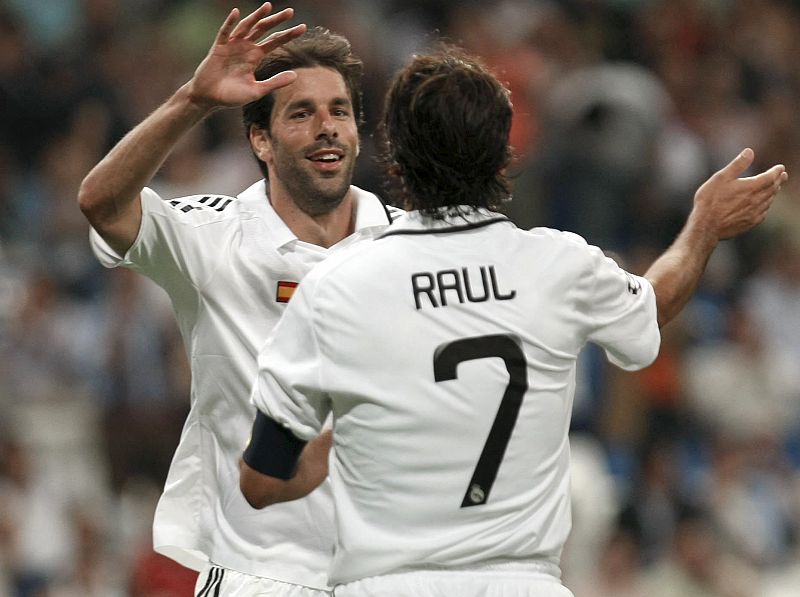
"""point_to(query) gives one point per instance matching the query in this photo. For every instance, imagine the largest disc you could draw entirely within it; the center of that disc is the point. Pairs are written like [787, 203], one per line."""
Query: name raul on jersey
[462, 285]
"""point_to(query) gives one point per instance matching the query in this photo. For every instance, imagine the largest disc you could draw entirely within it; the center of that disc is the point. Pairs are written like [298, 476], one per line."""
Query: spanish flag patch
[285, 291]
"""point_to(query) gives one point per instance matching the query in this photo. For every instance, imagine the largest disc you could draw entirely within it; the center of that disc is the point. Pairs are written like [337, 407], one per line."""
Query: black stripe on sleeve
[273, 449]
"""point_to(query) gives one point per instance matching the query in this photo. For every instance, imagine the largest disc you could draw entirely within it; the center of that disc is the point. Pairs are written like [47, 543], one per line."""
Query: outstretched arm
[724, 207]
[109, 195]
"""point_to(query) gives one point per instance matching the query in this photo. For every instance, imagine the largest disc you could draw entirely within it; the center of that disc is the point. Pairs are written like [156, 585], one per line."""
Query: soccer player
[446, 352]
[230, 265]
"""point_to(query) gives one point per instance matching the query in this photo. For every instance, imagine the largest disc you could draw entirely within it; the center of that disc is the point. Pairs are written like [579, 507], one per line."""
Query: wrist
[192, 104]
[701, 231]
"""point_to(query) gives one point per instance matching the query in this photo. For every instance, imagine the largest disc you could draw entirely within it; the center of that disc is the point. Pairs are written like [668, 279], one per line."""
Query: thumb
[738, 165]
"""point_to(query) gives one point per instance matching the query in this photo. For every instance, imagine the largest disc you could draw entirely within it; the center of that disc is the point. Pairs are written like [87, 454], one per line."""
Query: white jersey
[229, 266]
[446, 352]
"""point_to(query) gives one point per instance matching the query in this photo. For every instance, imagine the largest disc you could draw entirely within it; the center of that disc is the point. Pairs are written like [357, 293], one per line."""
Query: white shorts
[461, 583]
[215, 581]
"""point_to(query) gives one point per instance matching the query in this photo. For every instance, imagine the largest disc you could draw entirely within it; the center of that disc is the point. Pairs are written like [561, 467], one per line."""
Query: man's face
[313, 141]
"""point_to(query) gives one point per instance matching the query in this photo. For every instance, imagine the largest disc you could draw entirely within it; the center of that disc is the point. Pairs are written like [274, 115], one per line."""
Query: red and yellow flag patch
[285, 291]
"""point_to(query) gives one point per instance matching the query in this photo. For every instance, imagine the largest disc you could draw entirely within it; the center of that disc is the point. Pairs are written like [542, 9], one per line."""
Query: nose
[326, 125]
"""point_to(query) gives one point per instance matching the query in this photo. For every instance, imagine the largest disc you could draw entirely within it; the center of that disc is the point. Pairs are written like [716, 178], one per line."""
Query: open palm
[226, 76]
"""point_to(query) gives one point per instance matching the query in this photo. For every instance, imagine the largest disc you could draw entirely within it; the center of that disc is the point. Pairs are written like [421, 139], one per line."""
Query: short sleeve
[623, 314]
[289, 387]
[170, 242]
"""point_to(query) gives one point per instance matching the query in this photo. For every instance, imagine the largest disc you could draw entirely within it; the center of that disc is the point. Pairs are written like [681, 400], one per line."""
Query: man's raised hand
[729, 205]
[226, 76]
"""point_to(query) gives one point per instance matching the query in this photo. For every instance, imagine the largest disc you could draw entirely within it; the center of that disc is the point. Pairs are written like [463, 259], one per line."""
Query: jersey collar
[370, 212]
[413, 222]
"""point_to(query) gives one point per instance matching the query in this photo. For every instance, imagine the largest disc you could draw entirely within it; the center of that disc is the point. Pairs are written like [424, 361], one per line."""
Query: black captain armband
[273, 449]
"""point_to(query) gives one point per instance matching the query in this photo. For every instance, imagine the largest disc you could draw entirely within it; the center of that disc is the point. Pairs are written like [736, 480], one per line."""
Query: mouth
[326, 159]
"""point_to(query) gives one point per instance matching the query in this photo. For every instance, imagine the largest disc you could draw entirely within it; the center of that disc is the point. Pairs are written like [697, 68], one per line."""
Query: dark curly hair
[443, 138]
[316, 47]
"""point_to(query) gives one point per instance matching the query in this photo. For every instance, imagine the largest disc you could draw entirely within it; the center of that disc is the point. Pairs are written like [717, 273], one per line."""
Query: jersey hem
[188, 558]
[541, 567]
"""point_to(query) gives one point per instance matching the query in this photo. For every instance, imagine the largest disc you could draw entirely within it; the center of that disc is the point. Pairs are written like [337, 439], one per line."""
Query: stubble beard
[314, 194]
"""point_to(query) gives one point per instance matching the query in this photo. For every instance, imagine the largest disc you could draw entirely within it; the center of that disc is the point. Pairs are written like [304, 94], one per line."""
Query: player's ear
[261, 143]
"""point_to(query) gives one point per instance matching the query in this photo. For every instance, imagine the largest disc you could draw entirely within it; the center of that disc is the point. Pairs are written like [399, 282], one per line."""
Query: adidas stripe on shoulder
[202, 202]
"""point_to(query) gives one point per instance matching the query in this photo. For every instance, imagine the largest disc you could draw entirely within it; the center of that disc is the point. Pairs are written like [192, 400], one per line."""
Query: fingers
[224, 33]
[764, 195]
[760, 214]
[772, 178]
[282, 79]
[256, 24]
[246, 23]
[782, 180]
[782, 177]
[281, 37]
[270, 22]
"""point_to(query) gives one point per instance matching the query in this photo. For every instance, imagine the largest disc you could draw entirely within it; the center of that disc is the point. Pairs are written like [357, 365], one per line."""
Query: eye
[300, 115]
[340, 112]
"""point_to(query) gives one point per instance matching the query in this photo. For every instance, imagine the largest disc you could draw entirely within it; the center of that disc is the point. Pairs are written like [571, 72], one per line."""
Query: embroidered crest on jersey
[187, 204]
[634, 285]
[285, 291]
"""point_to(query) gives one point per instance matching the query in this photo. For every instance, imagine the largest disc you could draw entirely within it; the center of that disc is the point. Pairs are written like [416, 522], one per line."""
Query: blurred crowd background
[686, 475]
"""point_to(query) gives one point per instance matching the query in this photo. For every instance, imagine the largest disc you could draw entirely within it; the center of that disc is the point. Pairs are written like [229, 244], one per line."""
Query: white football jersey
[230, 266]
[446, 352]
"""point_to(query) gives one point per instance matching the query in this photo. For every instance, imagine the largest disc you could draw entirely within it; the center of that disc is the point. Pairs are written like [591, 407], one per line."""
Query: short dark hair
[316, 47]
[443, 136]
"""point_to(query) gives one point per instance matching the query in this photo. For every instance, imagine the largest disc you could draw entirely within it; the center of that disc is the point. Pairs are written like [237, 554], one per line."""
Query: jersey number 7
[509, 348]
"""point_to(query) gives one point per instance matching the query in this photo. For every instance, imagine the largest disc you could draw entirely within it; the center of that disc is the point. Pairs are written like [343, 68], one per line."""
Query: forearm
[109, 195]
[262, 490]
[313, 467]
[676, 274]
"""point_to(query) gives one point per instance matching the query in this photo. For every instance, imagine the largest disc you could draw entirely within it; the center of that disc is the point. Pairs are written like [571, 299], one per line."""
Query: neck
[325, 229]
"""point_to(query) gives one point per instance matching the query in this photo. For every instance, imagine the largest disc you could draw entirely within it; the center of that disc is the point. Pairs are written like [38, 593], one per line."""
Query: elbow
[256, 501]
[97, 203]
[87, 199]
[256, 498]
